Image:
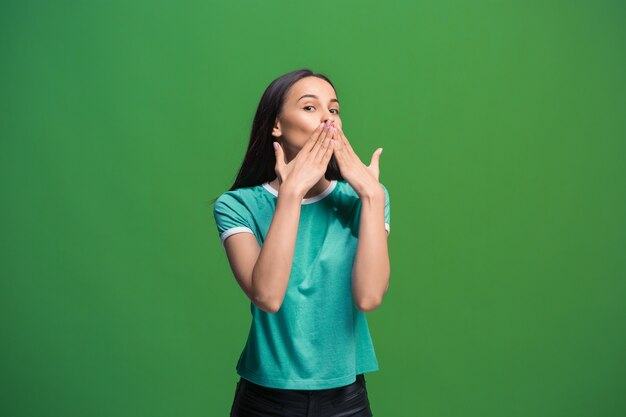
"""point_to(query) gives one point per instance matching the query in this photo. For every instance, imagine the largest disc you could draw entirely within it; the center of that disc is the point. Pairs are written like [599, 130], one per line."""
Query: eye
[337, 110]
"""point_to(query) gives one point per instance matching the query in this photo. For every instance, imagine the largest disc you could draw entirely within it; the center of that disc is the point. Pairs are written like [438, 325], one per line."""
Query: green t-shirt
[318, 339]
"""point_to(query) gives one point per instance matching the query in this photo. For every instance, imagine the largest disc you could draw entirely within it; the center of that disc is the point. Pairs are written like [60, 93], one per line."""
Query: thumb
[376, 158]
[280, 155]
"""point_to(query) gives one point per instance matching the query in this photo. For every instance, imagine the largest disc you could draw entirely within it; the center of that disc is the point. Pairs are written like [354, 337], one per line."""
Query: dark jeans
[252, 400]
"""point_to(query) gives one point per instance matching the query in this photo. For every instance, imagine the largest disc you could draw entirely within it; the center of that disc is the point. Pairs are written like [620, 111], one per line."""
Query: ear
[276, 130]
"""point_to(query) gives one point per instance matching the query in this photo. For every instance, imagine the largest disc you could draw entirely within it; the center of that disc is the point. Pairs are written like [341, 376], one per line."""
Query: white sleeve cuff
[234, 231]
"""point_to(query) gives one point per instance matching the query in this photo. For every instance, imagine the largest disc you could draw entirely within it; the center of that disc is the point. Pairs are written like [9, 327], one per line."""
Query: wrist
[375, 192]
[292, 190]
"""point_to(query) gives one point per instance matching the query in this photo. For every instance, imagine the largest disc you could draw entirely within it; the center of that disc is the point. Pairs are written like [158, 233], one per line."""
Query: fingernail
[275, 145]
[327, 123]
[321, 124]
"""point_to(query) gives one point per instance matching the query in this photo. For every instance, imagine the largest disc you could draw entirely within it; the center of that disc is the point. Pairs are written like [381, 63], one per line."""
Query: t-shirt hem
[305, 384]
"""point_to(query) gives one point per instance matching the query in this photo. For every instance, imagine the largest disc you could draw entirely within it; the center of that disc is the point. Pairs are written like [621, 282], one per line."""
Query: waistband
[299, 394]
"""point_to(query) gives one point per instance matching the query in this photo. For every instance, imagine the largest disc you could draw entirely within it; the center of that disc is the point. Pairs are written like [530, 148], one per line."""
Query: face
[309, 102]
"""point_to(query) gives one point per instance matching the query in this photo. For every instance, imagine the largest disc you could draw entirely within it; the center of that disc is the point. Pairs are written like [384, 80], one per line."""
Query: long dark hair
[260, 159]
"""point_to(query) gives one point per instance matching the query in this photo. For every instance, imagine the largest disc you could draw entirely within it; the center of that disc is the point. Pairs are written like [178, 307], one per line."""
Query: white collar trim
[315, 198]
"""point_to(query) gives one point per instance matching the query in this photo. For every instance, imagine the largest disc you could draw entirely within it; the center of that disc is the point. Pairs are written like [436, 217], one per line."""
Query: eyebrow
[314, 96]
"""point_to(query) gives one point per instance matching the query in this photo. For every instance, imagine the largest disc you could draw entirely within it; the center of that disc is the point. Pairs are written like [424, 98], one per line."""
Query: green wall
[503, 128]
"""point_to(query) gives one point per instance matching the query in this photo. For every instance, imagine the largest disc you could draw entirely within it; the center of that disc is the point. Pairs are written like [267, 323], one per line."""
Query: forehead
[311, 85]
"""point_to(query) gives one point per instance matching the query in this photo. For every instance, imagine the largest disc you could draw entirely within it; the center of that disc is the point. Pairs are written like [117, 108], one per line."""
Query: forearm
[272, 270]
[371, 269]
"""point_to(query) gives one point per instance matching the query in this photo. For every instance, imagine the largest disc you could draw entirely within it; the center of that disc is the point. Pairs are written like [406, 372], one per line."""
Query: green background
[503, 128]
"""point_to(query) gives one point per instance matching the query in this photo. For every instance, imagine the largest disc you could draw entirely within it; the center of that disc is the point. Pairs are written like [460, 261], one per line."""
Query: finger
[321, 150]
[339, 152]
[348, 153]
[320, 141]
[280, 155]
[340, 142]
[317, 133]
[345, 143]
[339, 147]
[376, 158]
[329, 151]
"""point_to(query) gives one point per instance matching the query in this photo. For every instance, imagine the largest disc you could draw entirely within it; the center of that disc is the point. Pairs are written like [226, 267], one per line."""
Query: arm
[263, 272]
[271, 272]
[371, 269]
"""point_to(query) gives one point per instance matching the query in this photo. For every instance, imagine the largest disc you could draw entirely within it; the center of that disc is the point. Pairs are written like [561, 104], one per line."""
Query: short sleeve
[231, 217]
[387, 211]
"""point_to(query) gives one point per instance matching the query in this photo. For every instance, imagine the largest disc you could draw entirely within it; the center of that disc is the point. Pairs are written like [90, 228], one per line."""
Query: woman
[305, 229]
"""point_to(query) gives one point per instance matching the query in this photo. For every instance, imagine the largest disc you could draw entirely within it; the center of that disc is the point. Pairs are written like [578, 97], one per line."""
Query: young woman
[305, 229]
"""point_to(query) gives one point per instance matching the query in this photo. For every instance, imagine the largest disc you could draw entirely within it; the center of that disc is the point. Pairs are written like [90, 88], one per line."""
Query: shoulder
[240, 200]
[229, 197]
[243, 195]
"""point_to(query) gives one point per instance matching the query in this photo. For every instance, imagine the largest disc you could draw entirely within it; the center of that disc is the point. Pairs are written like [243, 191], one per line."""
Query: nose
[329, 121]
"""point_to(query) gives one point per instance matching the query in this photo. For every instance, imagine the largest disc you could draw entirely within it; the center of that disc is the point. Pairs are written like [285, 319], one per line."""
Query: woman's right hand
[311, 162]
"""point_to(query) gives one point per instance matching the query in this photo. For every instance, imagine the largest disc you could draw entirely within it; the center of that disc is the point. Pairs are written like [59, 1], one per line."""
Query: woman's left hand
[364, 179]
